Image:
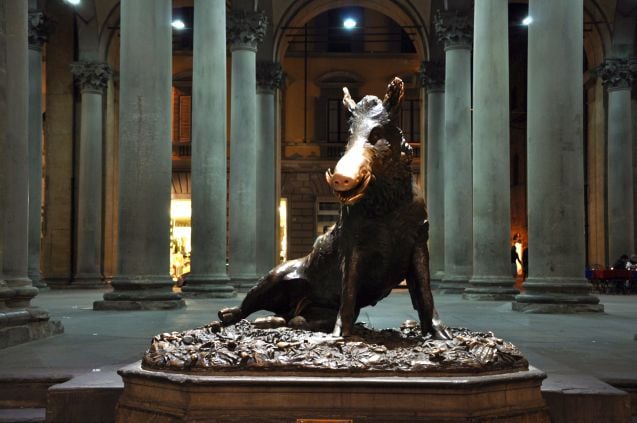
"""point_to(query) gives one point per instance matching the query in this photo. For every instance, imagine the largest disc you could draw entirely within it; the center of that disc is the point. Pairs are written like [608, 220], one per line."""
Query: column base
[207, 286]
[556, 308]
[123, 305]
[23, 292]
[88, 281]
[25, 325]
[243, 284]
[453, 284]
[36, 280]
[490, 288]
[557, 295]
[147, 292]
[436, 278]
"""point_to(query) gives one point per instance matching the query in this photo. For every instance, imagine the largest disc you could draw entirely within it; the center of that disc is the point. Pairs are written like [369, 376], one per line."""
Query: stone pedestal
[167, 397]
[557, 255]
[454, 29]
[433, 78]
[208, 275]
[143, 280]
[491, 278]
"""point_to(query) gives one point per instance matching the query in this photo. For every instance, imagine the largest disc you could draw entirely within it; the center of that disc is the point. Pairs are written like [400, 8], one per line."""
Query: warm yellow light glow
[180, 238]
[283, 226]
[180, 209]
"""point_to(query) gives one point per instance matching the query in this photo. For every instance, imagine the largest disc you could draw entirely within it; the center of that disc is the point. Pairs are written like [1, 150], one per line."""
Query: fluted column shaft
[38, 29]
[208, 275]
[555, 180]
[269, 78]
[432, 77]
[491, 278]
[455, 30]
[92, 77]
[143, 280]
[245, 31]
[617, 75]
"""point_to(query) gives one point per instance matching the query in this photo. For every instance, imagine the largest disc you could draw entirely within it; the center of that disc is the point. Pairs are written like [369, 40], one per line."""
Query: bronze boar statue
[379, 240]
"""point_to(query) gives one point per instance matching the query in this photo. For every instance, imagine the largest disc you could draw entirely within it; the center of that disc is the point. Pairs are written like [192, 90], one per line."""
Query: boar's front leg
[348, 310]
[421, 297]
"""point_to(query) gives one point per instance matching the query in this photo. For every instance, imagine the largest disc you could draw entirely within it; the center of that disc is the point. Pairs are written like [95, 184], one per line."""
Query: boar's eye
[375, 134]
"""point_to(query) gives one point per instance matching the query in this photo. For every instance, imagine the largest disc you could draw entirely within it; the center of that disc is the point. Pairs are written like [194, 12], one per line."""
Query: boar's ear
[394, 97]
[347, 100]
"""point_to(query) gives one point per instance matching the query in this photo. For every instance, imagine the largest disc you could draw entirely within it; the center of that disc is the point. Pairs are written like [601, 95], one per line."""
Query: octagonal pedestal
[269, 397]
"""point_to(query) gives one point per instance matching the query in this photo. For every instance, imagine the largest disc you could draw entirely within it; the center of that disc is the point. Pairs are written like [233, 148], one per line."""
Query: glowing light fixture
[178, 24]
[349, 23]
[73, 2]
[527, 21]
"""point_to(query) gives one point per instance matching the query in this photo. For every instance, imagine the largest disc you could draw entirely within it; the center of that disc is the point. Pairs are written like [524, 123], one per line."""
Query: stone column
[433, 78]
[245, 31]
[16, 159]
[92, 78]
[492, 279]
[38, 30]
[555, 180]
[269, 79]
[19, 321]
[143, 279]
[454, 29]
[617, 75]
[208, 276]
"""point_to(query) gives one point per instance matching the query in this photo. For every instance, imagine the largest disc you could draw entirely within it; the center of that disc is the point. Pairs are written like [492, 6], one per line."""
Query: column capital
[618, 73]
[269, 75]
[246, 30]
[40, 26]
[454, 28]
[432, 75]
[91, 75]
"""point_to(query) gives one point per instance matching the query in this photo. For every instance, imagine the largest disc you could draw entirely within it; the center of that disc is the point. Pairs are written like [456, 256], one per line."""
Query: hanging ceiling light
[178, 24]
[349, 23]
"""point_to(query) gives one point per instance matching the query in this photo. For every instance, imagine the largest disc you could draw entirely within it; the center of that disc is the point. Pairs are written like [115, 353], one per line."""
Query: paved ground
[601, 345]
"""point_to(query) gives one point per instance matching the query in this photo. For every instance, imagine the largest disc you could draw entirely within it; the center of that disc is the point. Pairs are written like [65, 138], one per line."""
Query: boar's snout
[351, 176]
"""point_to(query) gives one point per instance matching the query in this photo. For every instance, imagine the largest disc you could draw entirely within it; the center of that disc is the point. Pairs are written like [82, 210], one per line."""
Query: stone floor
[602, 345]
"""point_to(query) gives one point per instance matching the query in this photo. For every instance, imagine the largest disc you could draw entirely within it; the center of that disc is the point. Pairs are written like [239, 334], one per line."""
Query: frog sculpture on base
[378, 241]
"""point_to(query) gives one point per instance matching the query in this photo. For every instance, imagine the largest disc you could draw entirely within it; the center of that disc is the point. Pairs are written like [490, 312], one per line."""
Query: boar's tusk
[328, 176]
[347, 100]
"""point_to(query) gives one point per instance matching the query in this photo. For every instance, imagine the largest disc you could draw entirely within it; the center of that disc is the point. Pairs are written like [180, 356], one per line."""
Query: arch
[109, 31]
[339, 77]
[597, 33]
[301, 12]
[87, 31]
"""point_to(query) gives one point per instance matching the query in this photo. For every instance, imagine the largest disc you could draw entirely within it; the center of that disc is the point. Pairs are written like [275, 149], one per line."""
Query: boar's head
[376, 156]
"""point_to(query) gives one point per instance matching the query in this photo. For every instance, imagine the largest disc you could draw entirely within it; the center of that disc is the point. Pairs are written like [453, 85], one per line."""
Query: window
[410, 120]
[327, 211]
[337, 128]
[185, 118]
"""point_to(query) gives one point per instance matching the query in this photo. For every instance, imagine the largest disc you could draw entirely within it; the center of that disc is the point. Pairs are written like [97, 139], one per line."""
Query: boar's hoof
[269, 322]
[299, 322]
[229, 316]
[441, 333]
